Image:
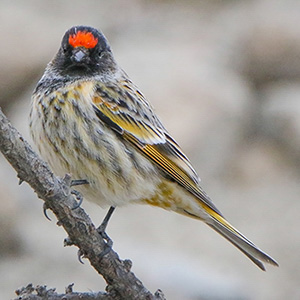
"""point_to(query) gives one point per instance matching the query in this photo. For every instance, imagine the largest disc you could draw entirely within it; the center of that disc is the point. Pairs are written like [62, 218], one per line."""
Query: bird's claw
[79, 255]
[78, 182]
[45, 207]
[78, 198]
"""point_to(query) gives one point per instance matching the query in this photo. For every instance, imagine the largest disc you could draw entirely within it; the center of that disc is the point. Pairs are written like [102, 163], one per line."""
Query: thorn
[67, 179]
[127, 264]
[68, 242]
[69, 288]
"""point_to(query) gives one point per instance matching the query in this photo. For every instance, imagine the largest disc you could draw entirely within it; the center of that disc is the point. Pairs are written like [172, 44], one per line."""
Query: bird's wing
[125, 110]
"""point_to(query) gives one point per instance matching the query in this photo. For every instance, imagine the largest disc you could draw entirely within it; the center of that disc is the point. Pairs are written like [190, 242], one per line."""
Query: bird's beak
[79, 55]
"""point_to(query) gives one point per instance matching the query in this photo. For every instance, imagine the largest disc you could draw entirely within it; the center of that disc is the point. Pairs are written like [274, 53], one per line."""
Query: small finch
[90, 120]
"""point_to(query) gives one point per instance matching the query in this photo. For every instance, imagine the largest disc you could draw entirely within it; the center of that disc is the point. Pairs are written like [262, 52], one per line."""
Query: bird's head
[84, 51]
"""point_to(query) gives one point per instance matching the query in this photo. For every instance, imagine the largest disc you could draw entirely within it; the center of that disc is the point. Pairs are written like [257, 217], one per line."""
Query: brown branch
[81, 231]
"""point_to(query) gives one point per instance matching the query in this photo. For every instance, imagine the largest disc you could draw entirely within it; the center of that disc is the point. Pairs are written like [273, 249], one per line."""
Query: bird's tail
[219, 224]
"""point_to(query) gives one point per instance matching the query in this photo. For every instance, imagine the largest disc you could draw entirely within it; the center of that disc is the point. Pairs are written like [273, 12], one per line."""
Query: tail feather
[220, 225]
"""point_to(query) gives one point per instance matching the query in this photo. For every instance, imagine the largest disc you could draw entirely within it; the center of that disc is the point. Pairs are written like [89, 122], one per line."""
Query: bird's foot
[77, 195]
[101, 230]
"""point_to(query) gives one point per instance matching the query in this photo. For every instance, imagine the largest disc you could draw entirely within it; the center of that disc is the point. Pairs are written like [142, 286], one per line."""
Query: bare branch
[41, 292]
[81, 231]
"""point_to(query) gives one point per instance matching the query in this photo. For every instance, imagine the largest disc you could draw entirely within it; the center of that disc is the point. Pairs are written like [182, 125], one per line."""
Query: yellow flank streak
[163, 198]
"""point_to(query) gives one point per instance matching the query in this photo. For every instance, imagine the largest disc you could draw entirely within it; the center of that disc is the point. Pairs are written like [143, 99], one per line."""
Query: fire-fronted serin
[89, 119]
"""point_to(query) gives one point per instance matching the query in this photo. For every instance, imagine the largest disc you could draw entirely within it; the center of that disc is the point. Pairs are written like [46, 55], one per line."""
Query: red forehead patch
[84, 39]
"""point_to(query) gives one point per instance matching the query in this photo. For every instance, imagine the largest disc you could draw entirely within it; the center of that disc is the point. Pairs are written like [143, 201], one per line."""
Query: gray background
[224, 76]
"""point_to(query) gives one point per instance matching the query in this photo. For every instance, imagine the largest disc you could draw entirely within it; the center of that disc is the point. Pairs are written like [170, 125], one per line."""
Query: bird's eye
[100, 53]
[64, 49]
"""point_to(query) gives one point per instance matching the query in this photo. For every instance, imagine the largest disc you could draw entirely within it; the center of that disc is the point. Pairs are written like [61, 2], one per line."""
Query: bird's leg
[101, 230]
[104, 223]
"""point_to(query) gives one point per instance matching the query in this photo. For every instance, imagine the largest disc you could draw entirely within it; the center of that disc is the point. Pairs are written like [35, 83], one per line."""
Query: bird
[89, 119]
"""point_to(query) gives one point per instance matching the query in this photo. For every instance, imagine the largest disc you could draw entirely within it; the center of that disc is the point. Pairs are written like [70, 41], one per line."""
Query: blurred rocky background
[224, 77]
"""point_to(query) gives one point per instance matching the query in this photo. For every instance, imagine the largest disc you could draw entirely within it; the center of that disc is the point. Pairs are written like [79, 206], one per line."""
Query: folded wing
[128, 113]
